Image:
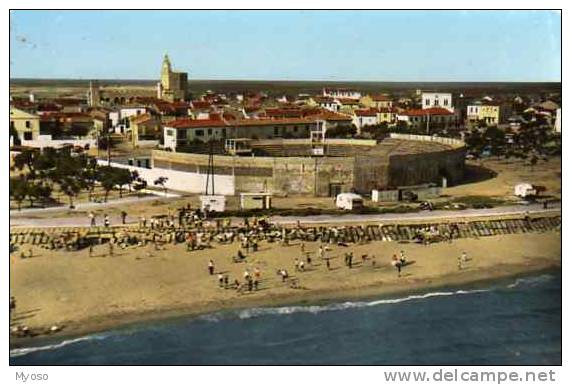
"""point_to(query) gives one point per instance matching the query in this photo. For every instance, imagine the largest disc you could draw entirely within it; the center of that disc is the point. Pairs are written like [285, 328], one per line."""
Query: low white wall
[47, 141]
[181, 181]
[426, 138]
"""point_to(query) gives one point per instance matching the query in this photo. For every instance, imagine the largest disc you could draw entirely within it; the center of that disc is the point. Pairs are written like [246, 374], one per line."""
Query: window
[294, 128]
[223, 132]
[12, 126]
[427, 102]
[445, 102]
[209, 131]
[170, 132]
[276, 131]
[181, 134]
[436, 102]
[27, 124]
[199, 133]
[27, 136]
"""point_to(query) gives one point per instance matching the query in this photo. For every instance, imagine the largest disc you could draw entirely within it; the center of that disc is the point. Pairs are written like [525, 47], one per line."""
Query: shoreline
[131, 318]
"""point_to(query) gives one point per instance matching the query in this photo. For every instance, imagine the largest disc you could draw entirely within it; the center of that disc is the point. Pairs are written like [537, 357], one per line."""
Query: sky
[289, 45]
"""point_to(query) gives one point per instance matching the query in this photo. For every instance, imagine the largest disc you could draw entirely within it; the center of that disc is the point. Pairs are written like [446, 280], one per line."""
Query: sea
[513, 322]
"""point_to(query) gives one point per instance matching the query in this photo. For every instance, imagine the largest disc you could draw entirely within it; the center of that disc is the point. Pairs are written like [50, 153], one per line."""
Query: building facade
[437, 100]
[173, 85]
[24, 124]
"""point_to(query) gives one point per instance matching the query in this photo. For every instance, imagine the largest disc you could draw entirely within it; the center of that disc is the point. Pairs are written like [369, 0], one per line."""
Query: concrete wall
[180, 180]
[307, 175]
[43, 141]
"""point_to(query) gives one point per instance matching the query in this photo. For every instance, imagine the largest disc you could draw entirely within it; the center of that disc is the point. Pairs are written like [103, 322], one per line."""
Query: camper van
[349, 201]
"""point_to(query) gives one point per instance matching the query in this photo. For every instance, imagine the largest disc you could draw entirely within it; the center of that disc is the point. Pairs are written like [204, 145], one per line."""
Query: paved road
[30, 212]
[436, 214]
[23, 221]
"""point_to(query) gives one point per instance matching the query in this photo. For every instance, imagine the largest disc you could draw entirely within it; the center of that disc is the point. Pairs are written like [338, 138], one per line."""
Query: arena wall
[402, 164]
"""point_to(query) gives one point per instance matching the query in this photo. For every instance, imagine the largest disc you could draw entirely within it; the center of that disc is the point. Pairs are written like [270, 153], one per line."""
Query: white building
[122, 115]
[362, 118]
[438, 100]
[557, 125]
[345, 93]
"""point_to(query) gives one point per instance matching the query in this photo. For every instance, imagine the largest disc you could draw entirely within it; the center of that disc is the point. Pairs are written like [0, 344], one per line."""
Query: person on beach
[402, 258]
[123, 217]
[459, 262]
[328, 264]
[92, 218]
[111, 249]
[12, 304]
[350, 260]
[302, 249]
[220, 280]
[464, 257]
[106, 222]
[226, 279]
[211, 267]
[301, 266]
[296, 264]
[545, 205]
[90, 249]
[257, 273]
[397, 264]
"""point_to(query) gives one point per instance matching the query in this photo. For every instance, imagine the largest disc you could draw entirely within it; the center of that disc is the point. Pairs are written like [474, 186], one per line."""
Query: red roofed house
[184, 131]
[362, 118]
[428, 117]
[377, 101]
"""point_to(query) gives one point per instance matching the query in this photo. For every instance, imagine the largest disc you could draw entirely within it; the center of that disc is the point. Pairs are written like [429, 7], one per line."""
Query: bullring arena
[287, 167]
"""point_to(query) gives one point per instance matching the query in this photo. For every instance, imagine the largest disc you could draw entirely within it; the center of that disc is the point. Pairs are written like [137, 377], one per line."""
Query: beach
[85, 294]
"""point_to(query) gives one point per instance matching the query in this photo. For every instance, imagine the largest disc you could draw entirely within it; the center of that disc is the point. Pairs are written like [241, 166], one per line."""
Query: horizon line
[296, 80]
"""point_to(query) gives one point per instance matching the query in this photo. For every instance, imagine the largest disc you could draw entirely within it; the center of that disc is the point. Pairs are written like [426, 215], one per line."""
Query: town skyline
[310, 49]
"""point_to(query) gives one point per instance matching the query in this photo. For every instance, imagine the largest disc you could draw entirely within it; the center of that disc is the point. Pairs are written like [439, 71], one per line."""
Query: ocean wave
[33, 349]
[531, 281]
[314, 309]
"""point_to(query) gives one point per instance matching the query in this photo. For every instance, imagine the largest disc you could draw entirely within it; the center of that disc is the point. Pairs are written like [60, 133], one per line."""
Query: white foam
[256, 312]
[23, 351]
[531, 281]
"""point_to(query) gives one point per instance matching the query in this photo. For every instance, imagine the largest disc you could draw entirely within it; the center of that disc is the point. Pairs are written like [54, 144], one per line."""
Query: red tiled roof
[370, 112]
[270, 122]
[380, 98]
[427, 111]
[347, 101]
[328, 115]
[200, 104]
[195, 123]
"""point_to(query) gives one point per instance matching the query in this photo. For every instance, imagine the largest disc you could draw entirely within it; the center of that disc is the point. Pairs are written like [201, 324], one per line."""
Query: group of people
[106, 221]
[251, 279]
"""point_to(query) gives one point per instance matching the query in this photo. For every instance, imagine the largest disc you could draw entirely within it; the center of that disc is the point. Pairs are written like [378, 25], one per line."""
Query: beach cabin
[524, 190]
[213, 203]
[349, 201]
[250, 201]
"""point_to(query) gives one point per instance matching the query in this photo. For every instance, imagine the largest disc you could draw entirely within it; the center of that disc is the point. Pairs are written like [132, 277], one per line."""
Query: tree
[90, 176]
[121, 177]
[161, 181]
[139, 185]
[37, 191]
[18, 190]
[105, 177]
[78, 130]
[26, 159]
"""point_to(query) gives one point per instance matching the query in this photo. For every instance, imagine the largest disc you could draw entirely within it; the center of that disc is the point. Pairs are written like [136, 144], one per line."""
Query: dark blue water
[508, 323]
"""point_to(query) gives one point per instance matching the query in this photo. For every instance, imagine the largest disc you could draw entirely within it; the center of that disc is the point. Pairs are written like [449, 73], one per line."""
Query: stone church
[173, 85]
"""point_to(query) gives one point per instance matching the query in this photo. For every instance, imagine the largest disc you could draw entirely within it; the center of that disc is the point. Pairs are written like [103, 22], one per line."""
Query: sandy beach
[86, 294]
